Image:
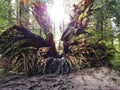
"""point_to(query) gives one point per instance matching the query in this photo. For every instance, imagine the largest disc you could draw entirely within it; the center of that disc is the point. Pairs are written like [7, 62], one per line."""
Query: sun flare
[58, 16]
[57, 12]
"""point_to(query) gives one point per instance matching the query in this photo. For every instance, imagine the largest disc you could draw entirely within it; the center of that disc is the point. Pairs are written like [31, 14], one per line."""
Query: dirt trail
[88, 79]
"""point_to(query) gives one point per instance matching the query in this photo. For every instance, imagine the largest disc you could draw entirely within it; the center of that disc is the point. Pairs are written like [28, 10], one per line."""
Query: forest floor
[101, 78]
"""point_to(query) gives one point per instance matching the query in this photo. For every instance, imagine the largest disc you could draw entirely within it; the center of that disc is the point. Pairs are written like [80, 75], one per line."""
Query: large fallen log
[32, 39]
[26, 52]
[35, 40]
[19, 48]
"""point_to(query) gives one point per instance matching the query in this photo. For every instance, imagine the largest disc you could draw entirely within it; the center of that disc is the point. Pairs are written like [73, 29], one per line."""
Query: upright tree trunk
[23, 14]
[9, 12]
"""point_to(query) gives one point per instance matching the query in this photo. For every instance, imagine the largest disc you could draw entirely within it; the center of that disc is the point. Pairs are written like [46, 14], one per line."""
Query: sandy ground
[88, 79]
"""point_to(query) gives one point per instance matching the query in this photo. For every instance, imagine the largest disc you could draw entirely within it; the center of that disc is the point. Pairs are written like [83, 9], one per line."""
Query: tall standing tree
[23, 17]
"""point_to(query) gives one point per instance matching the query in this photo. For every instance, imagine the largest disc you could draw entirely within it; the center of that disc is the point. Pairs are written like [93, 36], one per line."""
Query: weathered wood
[32, 39]
[43, 58]
[79, 22]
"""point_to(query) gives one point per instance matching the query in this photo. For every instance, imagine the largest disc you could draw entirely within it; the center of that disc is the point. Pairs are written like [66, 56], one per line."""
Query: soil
[101, 78]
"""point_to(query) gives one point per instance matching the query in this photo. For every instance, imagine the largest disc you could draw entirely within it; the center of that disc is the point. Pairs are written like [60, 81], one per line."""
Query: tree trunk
[32, 39]
[23, 14]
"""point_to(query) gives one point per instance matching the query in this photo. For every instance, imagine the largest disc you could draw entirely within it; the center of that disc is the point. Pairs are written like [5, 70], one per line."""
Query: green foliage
[6, 15]
[101, 26]
[116, 61]
[102, 15]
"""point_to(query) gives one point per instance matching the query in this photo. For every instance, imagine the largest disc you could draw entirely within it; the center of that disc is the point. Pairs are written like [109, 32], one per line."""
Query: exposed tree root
[21, 55]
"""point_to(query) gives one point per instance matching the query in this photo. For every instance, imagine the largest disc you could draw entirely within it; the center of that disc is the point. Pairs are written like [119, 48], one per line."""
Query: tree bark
[32, 39]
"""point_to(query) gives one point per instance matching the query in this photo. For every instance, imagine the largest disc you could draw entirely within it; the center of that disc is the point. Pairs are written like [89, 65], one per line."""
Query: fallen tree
[26, 52]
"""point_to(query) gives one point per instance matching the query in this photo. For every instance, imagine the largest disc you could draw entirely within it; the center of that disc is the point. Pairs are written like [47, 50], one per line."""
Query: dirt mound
[101, 78]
